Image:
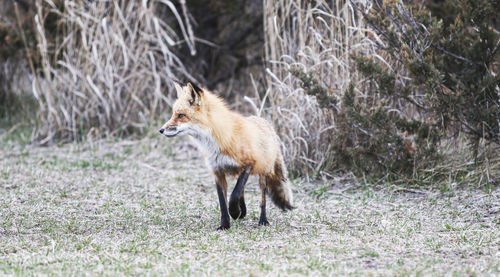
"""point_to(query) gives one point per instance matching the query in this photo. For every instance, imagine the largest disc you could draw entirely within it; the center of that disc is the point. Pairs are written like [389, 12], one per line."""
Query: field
[150, 207]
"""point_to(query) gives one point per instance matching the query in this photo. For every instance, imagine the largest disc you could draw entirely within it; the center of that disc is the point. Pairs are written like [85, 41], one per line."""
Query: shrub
[308, 48]
[442, 82]
[420, 77]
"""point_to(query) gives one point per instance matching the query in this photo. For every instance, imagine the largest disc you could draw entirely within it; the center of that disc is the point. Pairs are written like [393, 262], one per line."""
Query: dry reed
[105, 69]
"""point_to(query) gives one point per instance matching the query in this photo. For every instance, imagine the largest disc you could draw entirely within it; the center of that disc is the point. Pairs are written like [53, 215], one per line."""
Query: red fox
[232, 145]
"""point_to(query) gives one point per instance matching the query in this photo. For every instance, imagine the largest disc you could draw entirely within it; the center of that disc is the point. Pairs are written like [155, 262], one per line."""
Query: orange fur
[232, 144]
[247, 140]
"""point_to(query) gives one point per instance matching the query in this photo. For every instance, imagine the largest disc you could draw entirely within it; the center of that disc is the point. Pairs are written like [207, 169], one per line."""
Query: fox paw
[223, 227]
[263, 222]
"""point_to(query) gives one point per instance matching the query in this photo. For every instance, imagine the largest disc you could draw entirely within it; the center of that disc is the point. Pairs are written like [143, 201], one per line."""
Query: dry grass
[106, 69]
[316, 37]
[150, 207]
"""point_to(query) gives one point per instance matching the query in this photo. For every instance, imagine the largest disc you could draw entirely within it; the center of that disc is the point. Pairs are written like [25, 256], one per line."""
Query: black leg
[221, 192]
[243, 207]
[263, 218]
[235, 201]
[263, 188]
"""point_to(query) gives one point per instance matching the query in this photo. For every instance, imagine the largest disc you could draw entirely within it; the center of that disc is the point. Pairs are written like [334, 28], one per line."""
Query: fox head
[186, 113]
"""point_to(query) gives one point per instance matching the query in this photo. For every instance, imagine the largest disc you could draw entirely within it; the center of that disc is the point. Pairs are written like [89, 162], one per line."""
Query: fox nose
[161, 130]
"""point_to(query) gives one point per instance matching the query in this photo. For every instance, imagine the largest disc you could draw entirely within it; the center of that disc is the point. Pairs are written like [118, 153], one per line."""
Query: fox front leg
[237, 207]
[221, 184]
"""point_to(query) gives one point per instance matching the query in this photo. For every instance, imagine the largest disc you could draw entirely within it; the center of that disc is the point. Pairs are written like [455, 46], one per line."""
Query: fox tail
[278, 186]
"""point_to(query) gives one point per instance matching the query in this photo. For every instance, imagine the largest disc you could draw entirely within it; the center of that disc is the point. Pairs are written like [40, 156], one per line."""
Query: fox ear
[195, 88]
[196, 93]
[178, 89]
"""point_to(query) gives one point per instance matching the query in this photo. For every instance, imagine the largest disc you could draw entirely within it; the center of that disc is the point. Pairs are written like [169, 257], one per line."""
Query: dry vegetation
[107, 68]
[150, 207]
[317, 38]
[104, 68]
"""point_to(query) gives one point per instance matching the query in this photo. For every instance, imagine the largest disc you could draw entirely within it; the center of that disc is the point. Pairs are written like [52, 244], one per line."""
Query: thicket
[308, 49]
[101, 68]
[95, 68]
[107, 69]
[438, 79]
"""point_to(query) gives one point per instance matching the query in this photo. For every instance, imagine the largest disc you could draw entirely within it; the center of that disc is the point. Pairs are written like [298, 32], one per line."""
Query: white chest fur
[214, 158]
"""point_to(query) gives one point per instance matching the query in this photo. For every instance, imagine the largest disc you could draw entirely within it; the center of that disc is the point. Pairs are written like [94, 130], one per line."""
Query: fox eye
[180, 115]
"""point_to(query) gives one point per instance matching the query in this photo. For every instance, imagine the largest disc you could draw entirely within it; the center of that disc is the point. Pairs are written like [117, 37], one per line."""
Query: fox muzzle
[169, 132]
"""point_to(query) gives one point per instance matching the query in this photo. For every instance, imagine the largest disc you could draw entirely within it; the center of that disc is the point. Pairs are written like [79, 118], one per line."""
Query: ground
[150, 207]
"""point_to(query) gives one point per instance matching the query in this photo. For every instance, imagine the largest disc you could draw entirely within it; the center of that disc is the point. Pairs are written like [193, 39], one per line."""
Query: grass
[150, 207]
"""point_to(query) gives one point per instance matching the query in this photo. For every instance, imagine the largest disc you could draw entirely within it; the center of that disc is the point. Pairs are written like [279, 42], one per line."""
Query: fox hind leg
[237, 207]
[263, 187]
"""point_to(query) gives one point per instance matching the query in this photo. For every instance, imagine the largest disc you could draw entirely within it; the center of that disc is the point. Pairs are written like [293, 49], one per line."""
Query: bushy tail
[278, 186]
